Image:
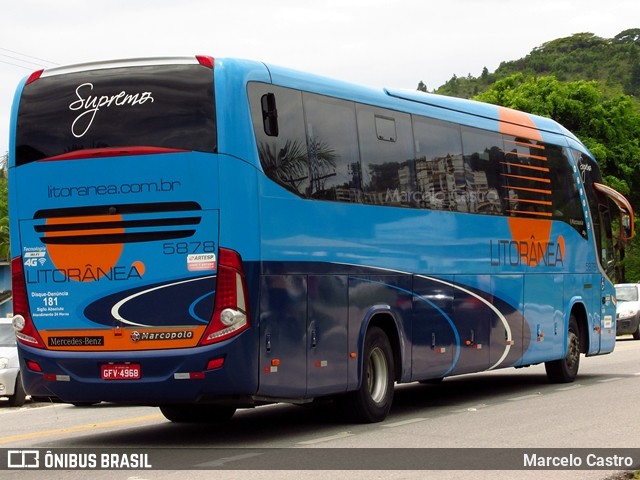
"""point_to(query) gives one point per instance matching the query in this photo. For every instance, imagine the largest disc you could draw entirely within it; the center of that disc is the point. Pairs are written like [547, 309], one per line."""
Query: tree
[633, 85]
[609, 127]
[628, 36]
[582, 56]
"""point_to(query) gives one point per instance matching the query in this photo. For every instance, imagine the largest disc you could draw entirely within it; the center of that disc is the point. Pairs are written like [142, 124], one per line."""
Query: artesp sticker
[201, 261]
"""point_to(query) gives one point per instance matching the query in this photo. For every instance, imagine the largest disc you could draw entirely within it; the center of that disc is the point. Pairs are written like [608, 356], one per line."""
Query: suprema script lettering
[90, 104]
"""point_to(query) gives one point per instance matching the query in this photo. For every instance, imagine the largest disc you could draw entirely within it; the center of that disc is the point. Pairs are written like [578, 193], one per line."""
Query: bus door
[610, 247]
[603, 290]
[602, 319]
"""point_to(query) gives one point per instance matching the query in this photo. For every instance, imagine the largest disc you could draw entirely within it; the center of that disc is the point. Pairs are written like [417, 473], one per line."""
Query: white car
[628, 309]
[10, 381]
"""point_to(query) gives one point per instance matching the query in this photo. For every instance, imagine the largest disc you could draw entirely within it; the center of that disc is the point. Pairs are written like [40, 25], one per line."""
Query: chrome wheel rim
[377, 375]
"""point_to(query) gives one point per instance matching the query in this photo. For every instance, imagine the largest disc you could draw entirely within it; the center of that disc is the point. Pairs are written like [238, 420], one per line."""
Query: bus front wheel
[565, 370]
[372, 401]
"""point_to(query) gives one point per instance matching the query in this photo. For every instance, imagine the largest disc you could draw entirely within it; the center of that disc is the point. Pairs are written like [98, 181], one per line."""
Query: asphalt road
[504, 410]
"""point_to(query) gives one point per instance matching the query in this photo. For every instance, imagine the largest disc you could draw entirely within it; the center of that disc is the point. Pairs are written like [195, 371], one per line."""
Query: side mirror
[626, 226]
[626, 210]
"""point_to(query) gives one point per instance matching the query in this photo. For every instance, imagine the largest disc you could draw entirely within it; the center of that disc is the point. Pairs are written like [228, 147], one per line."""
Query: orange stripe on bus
[100, 257]
[533, 179]
[525, 212]
[527, 155]
[533, 190]
[525, 200]
[518, 124]
[537, 146]
[530, 167]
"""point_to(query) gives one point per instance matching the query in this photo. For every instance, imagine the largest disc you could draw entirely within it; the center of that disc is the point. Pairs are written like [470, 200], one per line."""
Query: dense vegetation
[614, 63]
[591, 86]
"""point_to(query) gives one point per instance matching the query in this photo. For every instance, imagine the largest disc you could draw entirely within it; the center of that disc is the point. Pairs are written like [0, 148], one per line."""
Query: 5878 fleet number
[184, 248]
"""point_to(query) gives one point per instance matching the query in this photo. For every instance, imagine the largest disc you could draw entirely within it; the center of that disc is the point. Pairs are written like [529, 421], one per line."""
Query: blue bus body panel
[408, 241]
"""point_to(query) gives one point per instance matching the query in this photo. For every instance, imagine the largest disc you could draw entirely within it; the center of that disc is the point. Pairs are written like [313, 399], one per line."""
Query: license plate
[121, 371]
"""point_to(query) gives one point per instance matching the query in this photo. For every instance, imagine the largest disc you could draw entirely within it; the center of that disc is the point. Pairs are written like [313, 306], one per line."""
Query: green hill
[613, 62]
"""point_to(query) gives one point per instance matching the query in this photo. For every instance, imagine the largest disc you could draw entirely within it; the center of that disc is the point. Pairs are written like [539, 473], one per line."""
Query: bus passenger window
[438, 163]
[386, 152]
[565, 194]
[483, 187]
[280, 136]
[332, 148]
[526, 176]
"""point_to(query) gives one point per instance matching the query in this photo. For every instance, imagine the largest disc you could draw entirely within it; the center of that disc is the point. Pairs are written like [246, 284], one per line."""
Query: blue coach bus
[205, 235]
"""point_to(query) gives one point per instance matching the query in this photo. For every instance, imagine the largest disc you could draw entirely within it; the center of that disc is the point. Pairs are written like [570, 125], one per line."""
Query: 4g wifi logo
[33, 262]
[23, 459]
[34, 258]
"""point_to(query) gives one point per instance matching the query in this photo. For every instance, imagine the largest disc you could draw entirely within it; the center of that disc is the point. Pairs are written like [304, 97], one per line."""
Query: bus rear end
[121, 290]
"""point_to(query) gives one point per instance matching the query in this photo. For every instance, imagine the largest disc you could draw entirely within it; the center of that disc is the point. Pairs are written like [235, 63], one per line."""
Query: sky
[379, 43]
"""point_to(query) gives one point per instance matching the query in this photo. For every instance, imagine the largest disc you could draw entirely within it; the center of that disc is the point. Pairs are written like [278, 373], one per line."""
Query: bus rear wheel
[197, 413]
[565, 370]
[372, 401]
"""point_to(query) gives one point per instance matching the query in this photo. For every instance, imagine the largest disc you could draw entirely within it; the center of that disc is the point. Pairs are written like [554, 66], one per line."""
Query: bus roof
[386, 97]
[451, 108]
[472, 107]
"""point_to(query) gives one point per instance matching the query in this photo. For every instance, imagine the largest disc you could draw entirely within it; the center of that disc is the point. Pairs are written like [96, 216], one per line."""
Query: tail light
[205, 61]
[34, 76]
[231, 309]
[25, 330]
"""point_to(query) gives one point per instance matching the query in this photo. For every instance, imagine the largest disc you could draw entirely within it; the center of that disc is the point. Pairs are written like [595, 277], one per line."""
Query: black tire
[197, 413]
[19, 395]
[636, 334]
[372, 401]
[565, 370]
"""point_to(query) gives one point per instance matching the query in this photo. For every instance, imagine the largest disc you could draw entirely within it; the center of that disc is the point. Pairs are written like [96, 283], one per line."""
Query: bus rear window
[165, 106]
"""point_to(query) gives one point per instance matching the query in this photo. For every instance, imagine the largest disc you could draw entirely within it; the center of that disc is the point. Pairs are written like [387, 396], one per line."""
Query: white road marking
[404, 422]
[326, 439]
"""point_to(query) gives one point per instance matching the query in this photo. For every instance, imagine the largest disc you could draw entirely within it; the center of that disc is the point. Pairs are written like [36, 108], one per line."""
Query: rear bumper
[166, 375]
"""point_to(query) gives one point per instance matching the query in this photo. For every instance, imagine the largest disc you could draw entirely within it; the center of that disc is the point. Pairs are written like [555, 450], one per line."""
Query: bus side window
[386, 153]
[438, 163]
[280, 136]
[565, 196]
[481, 190]
[332, 149]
